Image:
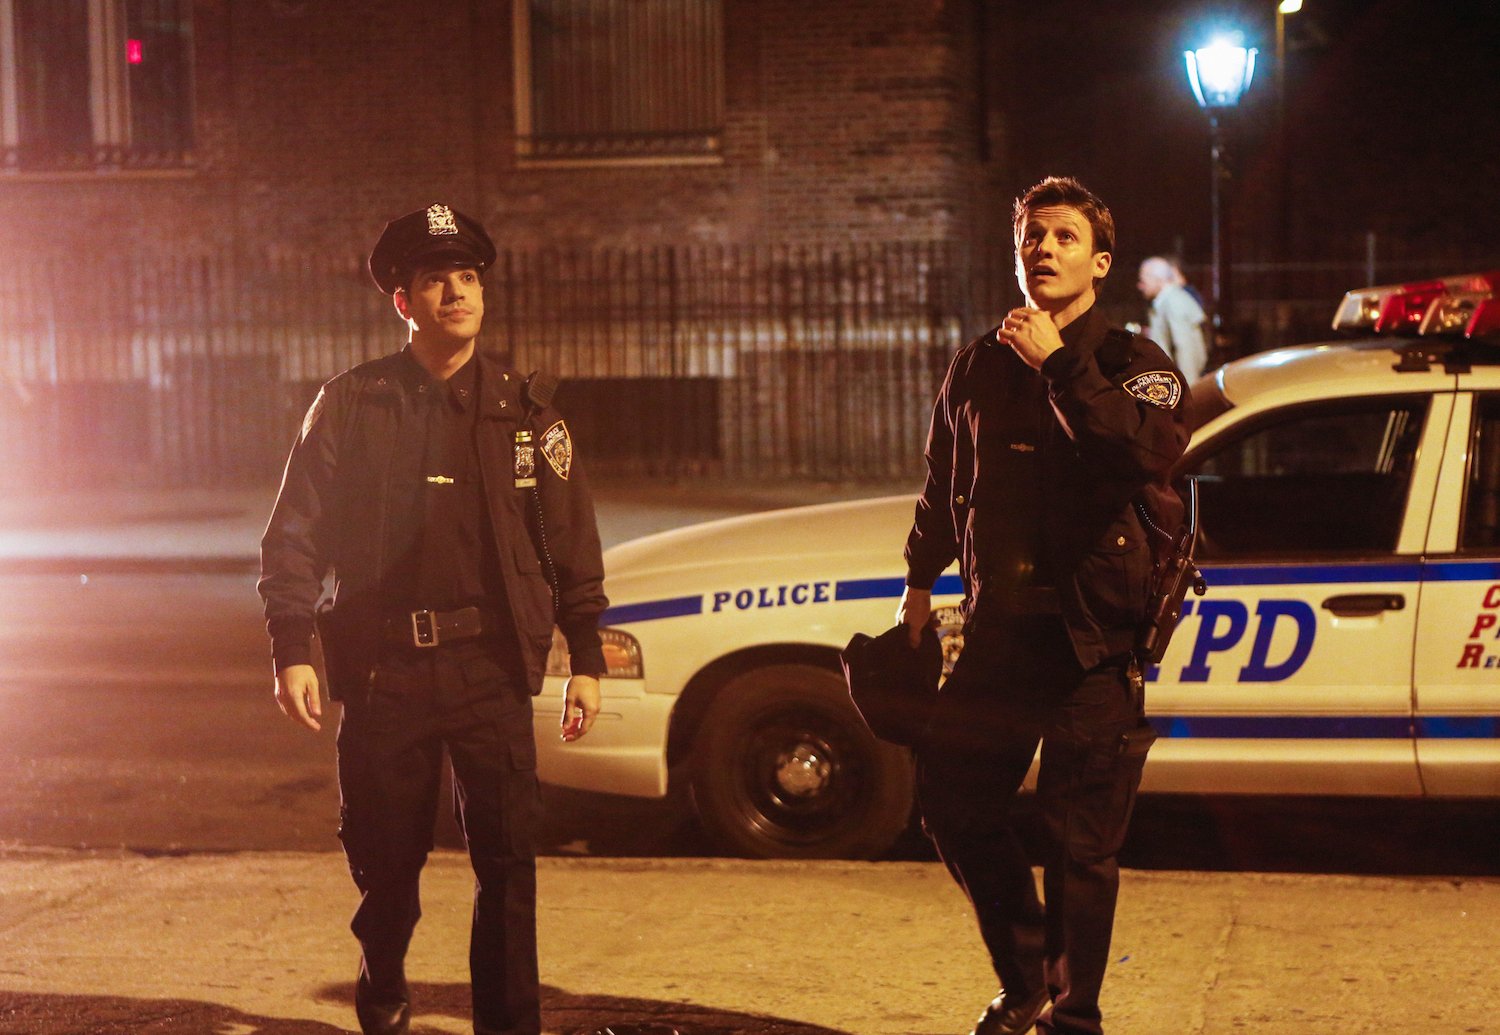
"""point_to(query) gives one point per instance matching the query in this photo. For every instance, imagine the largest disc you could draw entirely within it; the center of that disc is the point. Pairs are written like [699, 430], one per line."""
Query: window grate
[619, 78]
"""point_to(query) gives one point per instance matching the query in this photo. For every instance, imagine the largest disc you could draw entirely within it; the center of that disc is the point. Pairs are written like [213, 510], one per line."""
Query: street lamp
[1220, 74]
[1283, 183]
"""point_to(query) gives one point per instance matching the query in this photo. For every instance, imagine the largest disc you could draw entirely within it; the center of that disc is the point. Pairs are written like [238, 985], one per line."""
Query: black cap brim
[437, 234]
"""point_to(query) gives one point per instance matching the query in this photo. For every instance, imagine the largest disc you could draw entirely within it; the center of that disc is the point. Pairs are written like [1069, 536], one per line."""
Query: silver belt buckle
[424, 631]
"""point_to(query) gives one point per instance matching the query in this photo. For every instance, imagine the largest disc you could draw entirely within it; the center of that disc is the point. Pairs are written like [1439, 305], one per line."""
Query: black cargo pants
[1017, 683]
[468, 698]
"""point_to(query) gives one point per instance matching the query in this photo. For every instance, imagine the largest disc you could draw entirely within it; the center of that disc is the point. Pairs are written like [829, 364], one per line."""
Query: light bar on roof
[1361, 309]
[1451, 314]
[1402, 312]
[1485, 323]
[1405, 308]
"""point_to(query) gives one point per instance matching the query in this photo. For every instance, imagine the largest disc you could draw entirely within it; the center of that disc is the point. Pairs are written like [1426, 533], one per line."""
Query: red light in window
[133, 53]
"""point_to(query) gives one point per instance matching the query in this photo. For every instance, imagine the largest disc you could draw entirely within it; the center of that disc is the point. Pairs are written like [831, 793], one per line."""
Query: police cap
[436, 231]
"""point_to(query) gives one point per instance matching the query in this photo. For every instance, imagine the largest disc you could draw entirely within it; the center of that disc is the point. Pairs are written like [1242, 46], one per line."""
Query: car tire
[783, 767]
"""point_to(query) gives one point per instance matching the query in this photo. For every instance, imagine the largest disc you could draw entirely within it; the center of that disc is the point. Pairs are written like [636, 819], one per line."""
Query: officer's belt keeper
[434, 628]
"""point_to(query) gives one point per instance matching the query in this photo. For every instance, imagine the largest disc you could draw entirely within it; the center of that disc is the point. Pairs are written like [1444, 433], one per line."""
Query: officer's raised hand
[297, 695]
[580, 706]
[1031, 333]
[915, 612]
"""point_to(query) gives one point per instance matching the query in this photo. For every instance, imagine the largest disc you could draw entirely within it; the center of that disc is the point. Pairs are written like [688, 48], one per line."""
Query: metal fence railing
[814, 361]
[740, 361]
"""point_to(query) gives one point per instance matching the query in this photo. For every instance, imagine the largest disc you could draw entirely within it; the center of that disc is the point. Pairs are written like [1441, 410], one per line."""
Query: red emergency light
[1486, 320]
[1447, 305]
[1404, 309]
[134, 52]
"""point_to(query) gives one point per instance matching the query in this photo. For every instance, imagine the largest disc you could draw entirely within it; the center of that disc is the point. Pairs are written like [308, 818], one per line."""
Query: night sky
[1393, 121]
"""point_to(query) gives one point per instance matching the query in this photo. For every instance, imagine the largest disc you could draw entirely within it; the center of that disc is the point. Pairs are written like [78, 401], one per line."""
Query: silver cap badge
[440, 220]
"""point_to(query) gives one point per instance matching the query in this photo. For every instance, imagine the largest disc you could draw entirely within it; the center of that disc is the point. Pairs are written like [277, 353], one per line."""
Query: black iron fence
[736, 361]
[809, 361]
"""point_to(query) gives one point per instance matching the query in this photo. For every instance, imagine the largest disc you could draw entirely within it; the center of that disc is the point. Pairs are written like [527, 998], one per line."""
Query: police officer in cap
[442, 492]
[1047, 474]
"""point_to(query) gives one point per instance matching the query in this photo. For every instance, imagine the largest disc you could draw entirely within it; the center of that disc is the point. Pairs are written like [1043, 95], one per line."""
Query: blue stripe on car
[1327, 727]
[891, 587]
[876, 589]
[651, 610]
[1288, 727]
[1255, 727]
[1459, 727]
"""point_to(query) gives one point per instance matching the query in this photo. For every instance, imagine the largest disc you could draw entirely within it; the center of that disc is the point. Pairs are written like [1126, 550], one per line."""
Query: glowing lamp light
[134, 53]
[1290, 6]
[1220, 73]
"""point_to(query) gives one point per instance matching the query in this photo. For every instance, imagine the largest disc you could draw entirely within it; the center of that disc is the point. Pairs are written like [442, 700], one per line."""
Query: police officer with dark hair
[1047, 465]
[442, 492]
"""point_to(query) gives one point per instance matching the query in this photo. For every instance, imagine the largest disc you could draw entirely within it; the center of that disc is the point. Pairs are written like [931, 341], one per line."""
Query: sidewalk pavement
[257, 944]
[220, 529]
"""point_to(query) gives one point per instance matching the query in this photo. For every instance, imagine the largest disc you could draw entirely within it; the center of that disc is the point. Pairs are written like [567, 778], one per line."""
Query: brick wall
[316, 121]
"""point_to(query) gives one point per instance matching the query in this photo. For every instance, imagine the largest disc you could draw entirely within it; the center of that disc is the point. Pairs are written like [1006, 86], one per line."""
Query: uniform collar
[461, 389]
[499, 389]
[463, 386]
[1086, 331]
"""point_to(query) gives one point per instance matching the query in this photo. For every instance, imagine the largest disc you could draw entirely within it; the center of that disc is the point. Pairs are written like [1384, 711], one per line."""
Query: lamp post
[1283, 152]
[1219, 74]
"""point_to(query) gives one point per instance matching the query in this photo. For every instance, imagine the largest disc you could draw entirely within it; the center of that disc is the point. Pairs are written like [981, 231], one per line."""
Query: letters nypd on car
[1349, 643]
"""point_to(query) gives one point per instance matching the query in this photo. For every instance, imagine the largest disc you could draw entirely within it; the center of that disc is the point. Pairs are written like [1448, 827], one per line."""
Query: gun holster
[1173, 577]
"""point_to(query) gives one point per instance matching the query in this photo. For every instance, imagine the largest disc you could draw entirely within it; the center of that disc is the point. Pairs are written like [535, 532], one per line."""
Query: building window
[95, 84]
[631, 80]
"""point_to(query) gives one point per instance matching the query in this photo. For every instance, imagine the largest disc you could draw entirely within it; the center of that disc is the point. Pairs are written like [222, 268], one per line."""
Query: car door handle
[1363, 605]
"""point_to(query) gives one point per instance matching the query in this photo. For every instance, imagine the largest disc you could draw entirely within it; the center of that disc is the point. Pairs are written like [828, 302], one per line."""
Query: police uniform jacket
[335, 501]
[1033, 480]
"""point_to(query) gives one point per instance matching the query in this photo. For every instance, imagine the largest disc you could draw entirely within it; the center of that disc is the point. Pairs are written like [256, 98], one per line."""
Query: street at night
[867, 517]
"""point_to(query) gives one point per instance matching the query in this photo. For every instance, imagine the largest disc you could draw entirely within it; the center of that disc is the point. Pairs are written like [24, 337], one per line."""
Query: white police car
[1349, 643]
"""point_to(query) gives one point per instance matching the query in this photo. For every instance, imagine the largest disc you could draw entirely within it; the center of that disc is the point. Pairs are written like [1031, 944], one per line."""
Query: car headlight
[622, 655]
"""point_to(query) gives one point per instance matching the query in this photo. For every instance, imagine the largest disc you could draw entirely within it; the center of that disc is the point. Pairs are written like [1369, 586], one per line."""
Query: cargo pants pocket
[1103, 792]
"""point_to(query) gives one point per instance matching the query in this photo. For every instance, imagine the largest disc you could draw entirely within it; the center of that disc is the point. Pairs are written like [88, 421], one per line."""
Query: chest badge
[525, 460]
[1157, 387]
[557, 447]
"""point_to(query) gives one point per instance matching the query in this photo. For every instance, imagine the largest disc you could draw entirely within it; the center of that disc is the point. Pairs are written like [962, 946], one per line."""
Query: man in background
[1176, 322]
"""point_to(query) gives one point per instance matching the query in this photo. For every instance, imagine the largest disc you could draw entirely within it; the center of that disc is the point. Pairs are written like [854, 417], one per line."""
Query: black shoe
[382, 1005]
[1007, 1015]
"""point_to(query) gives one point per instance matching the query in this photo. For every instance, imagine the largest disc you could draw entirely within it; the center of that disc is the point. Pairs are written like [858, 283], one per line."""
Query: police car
[1349, 642]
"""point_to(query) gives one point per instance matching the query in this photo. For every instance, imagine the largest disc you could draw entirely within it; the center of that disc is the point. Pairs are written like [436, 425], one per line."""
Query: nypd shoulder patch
[1158, 387]
[557, 447]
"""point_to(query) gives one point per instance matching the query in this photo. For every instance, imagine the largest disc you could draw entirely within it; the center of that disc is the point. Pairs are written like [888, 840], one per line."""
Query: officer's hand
[1031, 334]
[297, 694]
[915, 612]
[580, 706]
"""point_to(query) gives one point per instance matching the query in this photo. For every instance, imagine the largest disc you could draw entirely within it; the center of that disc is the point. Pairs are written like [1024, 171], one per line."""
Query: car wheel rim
[798, 775]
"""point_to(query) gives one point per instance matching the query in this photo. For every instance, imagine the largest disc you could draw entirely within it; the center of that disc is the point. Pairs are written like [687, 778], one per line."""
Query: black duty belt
[1025, 600]
[431, 628]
